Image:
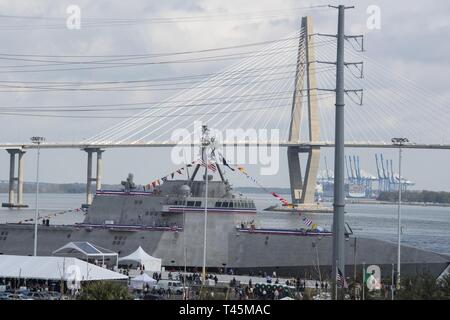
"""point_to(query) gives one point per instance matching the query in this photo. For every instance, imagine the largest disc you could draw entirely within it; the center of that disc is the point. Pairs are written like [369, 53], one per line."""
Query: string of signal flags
[211, 166]
[306, 221]
[81, 210]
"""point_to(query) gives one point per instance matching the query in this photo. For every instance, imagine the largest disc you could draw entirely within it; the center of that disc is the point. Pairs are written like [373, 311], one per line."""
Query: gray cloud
[412, 41]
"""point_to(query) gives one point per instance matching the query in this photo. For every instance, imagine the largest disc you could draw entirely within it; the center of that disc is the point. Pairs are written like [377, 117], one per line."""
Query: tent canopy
[141, 280]
[54, 268]
[84, 249]
[141, 257]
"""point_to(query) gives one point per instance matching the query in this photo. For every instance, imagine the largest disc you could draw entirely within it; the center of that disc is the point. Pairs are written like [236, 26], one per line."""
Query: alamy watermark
[72, 274]
[373, 282]
[73, 21]
[237, 146]
[374, 20]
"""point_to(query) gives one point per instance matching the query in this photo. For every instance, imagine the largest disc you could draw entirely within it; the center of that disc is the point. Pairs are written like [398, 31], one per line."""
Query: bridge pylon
[303, 188]
[18, 202]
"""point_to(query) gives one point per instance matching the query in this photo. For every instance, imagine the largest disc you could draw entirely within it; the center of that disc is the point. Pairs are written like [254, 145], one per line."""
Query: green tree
[421, 287]
[104, 290]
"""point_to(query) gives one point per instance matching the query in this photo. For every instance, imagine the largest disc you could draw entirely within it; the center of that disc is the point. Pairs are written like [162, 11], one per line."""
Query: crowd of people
[271, 288]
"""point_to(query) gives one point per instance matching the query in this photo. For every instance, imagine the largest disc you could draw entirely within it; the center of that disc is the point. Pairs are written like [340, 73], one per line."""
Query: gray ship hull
[288, 255]
[164, 222]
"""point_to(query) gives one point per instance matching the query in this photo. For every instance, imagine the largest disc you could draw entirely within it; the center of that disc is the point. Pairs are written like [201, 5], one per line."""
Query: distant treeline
[417, 196]
[76, 187]
[45, 187]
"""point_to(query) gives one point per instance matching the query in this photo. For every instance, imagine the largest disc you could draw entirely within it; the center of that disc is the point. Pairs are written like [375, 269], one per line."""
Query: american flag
[340, 279]
[211, 166]
[307, 221]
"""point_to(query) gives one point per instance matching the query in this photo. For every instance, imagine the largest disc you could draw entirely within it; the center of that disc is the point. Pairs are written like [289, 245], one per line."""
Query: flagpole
[336, 283]
[363, 280]
[206, 221]
[186, 164]
[392, 283]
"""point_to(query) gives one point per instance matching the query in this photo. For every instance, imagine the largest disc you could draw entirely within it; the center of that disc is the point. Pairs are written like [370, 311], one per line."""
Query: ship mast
[205, 143]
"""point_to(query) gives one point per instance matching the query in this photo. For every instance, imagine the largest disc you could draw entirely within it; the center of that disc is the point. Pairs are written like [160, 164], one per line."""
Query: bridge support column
[295, 174]
[12, 179]
[312, 167]
[98, 173]
[89, 178]
[303, 188]
[12, 169]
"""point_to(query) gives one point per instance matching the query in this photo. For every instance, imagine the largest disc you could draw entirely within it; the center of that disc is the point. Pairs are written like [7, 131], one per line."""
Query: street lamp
[184, 197]
[399, 142]
[354, 264]
[38, 141]
[316, 245]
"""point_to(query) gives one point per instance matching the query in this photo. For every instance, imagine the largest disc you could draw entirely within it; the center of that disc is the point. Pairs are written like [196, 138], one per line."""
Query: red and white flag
[283, 200]
[211, 165]
[307, 221]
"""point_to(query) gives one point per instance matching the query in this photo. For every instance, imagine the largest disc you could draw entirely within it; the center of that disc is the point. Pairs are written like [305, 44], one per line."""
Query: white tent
[141, 280]
[53, 268]
[86, 251]
[140, 256]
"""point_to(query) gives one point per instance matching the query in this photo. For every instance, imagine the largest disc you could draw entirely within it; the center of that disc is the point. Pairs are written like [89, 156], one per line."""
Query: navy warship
[170, 217]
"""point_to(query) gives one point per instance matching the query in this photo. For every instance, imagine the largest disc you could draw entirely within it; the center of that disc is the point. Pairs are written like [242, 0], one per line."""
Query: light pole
[399, 142]
[392, 283]
[354, 264]
[184, 247]
[316, 245]
[354, 261]
[38, 141]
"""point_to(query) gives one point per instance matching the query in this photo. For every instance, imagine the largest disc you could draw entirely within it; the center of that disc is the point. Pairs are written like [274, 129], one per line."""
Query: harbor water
[424, 227]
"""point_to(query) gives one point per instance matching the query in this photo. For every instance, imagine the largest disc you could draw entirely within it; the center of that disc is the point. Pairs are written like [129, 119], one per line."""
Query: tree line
[45, 187]
[423, 196]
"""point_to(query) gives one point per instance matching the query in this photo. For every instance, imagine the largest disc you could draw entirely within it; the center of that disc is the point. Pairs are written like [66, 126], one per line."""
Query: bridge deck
[77, 145]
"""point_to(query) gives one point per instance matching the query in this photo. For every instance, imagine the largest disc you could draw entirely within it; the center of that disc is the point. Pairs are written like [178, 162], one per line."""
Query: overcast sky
[413, 42]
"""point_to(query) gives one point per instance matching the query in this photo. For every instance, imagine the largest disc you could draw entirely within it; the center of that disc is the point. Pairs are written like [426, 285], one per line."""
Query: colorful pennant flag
[226, 164]
[283, 200]
[53, 215]
[306, 221]
[241, 169]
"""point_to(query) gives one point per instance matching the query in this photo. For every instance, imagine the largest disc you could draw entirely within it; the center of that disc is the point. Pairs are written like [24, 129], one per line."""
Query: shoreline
[347, 201]
[404, 203]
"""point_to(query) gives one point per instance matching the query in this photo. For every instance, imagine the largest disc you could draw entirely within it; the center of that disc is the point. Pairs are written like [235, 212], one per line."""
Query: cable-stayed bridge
[286, 86]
